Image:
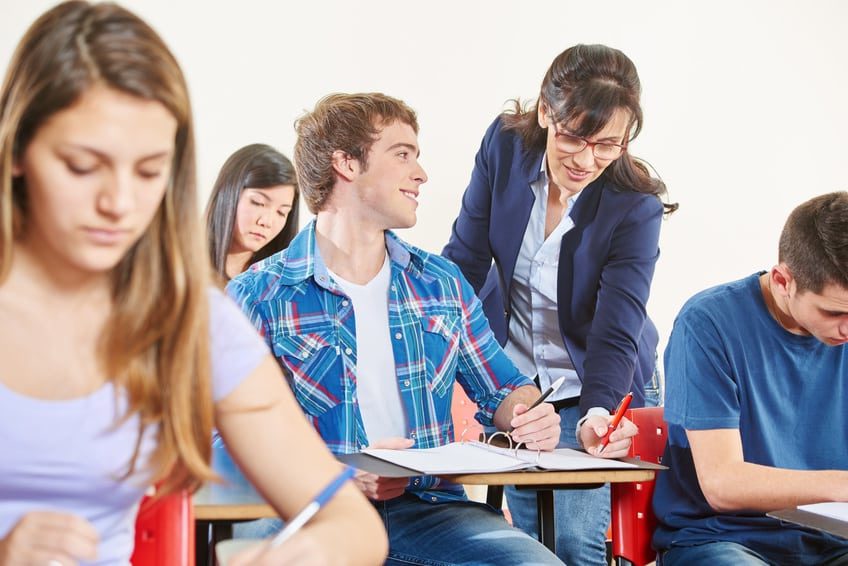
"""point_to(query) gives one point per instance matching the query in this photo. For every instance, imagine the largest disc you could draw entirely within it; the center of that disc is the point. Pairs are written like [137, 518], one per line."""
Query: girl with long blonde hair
[116, 354]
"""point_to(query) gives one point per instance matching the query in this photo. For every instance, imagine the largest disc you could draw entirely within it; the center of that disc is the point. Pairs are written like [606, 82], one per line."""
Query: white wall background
[745, 102]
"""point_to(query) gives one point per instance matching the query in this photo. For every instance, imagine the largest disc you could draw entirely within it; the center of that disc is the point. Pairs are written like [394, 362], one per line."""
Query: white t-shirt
[376, 379]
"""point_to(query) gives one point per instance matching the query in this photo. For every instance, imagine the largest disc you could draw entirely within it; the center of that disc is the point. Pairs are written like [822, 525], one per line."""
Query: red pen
[616, 419]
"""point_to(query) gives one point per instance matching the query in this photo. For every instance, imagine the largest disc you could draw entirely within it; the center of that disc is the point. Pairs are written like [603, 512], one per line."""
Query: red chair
[633, 520]
[164, 531]
[462, 414]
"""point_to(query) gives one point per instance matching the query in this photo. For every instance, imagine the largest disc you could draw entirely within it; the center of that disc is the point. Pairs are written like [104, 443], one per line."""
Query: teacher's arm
[620, 307]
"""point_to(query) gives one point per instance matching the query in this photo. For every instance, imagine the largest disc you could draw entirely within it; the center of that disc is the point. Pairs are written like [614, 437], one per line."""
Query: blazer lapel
[518, 211]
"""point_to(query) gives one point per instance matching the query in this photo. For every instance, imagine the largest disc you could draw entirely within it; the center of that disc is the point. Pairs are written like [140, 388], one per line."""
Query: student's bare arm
[730, 484]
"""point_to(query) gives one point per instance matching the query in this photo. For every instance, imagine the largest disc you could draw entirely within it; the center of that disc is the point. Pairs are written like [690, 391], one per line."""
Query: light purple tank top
[68, 456]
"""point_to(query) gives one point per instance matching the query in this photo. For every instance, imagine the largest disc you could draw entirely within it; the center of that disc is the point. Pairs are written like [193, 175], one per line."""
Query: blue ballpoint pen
[320, 500]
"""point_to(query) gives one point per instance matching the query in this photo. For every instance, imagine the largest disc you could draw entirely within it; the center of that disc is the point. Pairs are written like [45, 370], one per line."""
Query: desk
[218, 505]
[545, 483]
[812, 520]
[216, 508]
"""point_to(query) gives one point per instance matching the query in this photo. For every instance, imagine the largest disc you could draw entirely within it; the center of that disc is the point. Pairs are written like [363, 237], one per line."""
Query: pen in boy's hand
[320, 500]
[554, 386]
[616, 419]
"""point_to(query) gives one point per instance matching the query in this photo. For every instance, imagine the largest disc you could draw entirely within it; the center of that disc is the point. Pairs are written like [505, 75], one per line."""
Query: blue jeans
[455, 533]
[581, 515]
[655, 388]
[733, 554]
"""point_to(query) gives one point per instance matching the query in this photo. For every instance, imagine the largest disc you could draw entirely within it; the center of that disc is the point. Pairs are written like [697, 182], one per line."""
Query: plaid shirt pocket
[311, 359]
[441, 344]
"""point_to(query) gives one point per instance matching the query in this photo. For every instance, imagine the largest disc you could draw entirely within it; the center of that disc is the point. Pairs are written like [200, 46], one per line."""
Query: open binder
[471, 457]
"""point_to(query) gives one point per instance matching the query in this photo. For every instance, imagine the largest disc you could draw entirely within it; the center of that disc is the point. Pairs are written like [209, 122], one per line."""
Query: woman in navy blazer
[558, 233]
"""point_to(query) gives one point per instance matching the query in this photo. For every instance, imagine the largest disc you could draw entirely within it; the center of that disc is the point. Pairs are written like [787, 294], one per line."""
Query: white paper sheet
[476, 457]
[453, 458]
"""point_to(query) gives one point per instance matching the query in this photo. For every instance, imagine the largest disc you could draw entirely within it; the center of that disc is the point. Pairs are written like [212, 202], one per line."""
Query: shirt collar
[543, 182]
[303, 258]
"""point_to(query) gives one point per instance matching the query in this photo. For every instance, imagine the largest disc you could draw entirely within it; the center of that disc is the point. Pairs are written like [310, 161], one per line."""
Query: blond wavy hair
[155, 345]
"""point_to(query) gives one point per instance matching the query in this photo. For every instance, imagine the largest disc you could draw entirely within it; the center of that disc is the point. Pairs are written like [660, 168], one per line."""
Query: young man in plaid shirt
[374, 332]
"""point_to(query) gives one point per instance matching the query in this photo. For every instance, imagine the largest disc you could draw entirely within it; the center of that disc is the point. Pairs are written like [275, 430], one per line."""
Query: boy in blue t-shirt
[756, 404]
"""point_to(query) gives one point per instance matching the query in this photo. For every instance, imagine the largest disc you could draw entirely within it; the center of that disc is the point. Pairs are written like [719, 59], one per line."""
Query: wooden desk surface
[233, 502]
[552, 478]
[236, 500]
[233, 511]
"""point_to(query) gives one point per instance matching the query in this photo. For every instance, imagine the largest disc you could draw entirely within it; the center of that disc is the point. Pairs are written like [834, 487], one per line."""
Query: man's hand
[537, 428]
[44, 537]
[381, 488]
[594, 429]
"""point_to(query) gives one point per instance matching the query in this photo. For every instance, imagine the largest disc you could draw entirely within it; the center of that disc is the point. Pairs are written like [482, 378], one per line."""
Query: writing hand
[595, 427]
[46, 537]
[537, 428]
[380, 488]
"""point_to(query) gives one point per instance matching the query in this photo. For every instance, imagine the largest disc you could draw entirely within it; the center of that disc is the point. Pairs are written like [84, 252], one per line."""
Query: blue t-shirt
[730, 365]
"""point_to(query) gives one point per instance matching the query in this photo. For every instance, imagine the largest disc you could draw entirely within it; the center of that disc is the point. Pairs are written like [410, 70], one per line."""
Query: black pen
[554, 386]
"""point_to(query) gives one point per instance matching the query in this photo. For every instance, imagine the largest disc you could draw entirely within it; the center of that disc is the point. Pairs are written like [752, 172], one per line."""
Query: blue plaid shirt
[440, 336]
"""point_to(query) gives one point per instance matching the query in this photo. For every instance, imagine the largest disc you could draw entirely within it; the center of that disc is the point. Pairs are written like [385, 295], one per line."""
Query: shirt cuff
[593, 411]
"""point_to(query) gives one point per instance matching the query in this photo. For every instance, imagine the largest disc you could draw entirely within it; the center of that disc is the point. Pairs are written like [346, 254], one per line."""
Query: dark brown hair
[814, 242]
[583, 88]
[155, 343]
[347, 122]
[255, 166]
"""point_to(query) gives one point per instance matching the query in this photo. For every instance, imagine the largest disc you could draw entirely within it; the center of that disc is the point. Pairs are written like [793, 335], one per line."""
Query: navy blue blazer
[606, 263]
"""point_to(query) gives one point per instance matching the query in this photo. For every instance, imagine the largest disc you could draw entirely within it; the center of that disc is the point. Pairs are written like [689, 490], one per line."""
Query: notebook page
[453, 458]
[568, 459]
[562, 459]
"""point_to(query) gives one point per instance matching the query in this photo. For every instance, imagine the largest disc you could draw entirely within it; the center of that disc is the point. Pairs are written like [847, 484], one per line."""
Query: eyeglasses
[569, 143]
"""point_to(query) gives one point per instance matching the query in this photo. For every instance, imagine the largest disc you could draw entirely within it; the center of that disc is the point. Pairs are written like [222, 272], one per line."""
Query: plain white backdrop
[745, 102]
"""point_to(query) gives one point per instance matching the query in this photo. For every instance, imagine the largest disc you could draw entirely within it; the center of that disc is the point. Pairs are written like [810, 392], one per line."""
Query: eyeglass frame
[586, 143]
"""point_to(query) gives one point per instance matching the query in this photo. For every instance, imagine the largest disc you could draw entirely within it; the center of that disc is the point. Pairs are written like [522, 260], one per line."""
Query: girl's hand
[49, 538]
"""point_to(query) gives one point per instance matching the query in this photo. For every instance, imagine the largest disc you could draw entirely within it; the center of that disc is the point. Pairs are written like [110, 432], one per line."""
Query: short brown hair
[814, 242]
[347, 122]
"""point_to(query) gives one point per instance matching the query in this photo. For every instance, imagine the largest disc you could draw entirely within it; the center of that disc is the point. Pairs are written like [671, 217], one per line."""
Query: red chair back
[633, 520]
[462, 413]
[164, 531]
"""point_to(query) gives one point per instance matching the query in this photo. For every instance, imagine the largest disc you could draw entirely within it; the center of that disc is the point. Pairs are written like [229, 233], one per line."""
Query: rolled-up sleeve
[485, 372]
